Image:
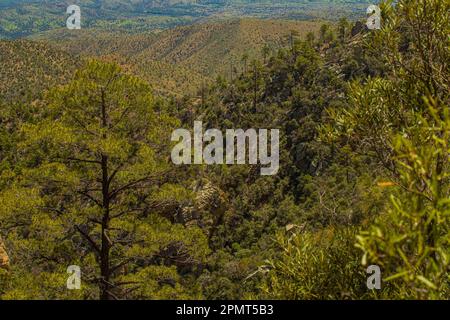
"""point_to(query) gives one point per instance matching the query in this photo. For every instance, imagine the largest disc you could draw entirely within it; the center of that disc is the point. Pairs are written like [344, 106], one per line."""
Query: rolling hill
[210, 48]
[180, 59]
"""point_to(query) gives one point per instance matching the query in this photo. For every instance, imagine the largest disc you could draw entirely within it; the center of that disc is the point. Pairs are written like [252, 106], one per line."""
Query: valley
[20, 18]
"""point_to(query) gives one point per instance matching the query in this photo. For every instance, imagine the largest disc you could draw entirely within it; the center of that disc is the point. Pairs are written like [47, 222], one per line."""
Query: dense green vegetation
[86, 177]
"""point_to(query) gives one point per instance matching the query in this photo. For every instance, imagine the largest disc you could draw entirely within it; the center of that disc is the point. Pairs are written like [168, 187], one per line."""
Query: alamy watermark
[74, 280]
[74, 20]
[374, 20]
[235, 150]
[374, 280]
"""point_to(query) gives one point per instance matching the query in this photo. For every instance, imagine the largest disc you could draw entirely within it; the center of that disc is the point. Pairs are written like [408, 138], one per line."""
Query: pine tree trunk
[105, 270]
[105, 284]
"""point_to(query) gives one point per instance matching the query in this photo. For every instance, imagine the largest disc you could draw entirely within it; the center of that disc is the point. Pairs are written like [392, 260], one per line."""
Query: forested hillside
[183, 59]
[86, 176]
[28, 68]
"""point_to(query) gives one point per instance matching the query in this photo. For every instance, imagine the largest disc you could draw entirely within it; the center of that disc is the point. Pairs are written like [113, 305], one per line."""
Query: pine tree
[96, 177]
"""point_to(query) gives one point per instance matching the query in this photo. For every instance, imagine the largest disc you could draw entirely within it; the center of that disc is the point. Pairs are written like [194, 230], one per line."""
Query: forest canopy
[86, 177]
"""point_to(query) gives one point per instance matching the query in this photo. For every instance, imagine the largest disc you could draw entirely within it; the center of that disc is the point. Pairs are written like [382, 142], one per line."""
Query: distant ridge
[22, 18]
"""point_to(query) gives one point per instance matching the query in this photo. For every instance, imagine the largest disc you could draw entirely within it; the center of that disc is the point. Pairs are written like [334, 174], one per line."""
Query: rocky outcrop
[209, 205]
[4, 259]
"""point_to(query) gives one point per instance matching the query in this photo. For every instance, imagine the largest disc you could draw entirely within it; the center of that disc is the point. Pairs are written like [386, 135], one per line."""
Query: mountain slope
[180, 59]
[27, 68]
[210, 48]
